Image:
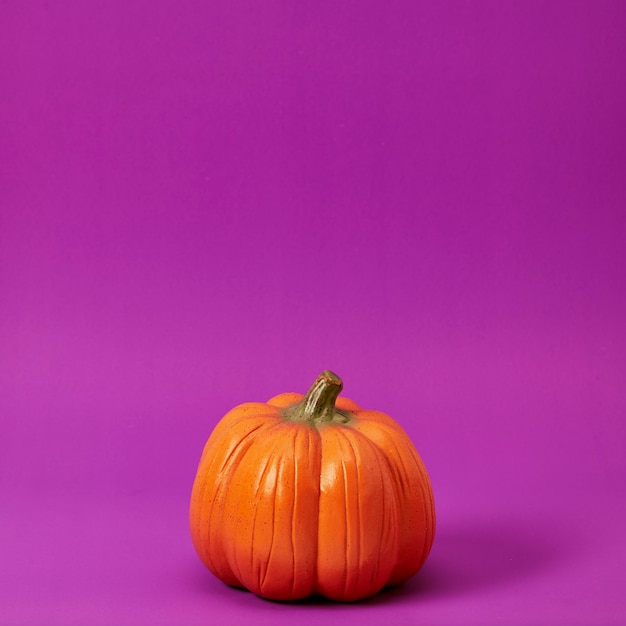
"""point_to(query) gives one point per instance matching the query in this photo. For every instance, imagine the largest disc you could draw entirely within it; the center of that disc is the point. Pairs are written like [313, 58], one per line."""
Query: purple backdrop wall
[208, 203]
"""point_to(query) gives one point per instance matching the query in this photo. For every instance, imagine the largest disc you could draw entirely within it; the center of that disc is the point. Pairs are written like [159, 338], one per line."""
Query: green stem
[318, 405]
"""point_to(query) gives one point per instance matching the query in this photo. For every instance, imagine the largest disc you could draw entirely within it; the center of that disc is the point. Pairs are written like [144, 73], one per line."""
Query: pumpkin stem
[318, 405]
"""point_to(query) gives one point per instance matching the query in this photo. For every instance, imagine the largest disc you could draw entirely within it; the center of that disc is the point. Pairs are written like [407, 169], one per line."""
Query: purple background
[204, 203]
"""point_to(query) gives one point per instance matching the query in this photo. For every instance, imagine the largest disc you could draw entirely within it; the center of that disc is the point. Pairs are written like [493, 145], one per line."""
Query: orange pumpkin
[311, 495]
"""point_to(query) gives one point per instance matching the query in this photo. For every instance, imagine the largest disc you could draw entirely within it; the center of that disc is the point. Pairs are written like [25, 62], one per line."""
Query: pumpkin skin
[309, 495]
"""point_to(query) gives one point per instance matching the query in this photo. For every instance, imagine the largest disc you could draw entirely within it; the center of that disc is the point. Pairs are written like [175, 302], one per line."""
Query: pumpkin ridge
[427, 496]
[293, 515]
[254, 519]
[389, 541]
[425, 546]
[232, 555]
[234, 418]
[357, 497]
[391, 503]
[296, 481]
[430, 534]
[347, 527]
[399, 470]
[219, 492]
[385, 531]
[394, 444]
[222, 488]
[227, 460]
[268, 559]
[309, 471]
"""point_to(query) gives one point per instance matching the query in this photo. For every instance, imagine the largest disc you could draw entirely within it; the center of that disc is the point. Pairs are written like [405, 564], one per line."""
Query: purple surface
[204, 203]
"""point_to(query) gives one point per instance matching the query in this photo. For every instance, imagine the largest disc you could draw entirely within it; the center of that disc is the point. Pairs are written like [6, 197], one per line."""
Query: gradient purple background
[204, 203]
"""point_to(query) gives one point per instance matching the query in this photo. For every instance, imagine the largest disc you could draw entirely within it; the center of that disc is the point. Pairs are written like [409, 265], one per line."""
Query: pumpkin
[311, 495]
